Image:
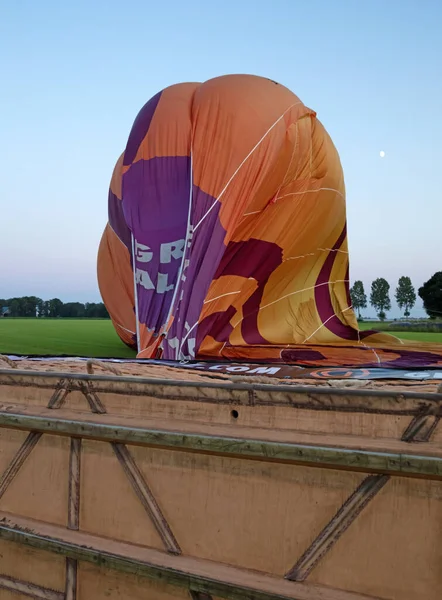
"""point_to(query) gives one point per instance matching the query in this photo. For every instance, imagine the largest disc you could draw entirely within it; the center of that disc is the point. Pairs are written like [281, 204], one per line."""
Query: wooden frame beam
[30, 590]
[147, 499]
[18, 461]
[242, 394]
[393, 463]
[199, 596]
[331, 533]
[73, 514]
[419, 430]
[198, 575]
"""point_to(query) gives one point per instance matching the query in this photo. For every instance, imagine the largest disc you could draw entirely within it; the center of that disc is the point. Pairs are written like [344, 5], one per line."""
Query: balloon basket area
[141, 480]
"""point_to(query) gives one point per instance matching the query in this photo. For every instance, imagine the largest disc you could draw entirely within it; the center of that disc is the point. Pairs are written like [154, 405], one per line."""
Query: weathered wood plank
[29, 589]
[19, 459]
[60, 394]
[311, 397]
[73, 513]
[220, 429]
[71, 579]
[420, 428]
[147, 499]
[349, 511]
[408, 464]
[92, 397]
[199, 596]
[198, 575]
[74, 484]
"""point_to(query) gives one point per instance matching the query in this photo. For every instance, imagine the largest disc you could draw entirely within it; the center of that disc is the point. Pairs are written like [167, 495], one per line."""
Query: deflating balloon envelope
[226, 234]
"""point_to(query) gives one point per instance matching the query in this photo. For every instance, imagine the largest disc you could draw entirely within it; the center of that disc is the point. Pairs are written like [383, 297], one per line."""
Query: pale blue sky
[74, 75]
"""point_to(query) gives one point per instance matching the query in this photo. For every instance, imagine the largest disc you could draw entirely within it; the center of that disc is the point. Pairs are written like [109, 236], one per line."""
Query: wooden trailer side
[124, 488]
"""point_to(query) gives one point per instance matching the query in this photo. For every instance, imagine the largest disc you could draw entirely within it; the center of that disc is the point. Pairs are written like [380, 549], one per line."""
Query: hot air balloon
[226, 235]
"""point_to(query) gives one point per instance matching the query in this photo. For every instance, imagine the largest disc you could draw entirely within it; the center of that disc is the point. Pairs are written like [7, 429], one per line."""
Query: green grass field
[55, 337]
[415, 336]
[96, 338]
[434, 338]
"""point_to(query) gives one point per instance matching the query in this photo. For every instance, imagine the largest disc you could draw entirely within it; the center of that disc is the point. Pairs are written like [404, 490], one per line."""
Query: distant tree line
[31, 306]
[405, 295]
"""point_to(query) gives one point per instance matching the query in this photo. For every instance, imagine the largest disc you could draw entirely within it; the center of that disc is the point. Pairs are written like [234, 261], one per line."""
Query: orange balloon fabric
[227, 234]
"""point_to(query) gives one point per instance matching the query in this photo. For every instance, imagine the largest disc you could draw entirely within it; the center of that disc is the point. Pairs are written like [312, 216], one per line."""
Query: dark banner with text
[275, 370]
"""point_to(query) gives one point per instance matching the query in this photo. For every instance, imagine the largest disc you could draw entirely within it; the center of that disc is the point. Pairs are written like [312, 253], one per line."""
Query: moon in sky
[382, 154]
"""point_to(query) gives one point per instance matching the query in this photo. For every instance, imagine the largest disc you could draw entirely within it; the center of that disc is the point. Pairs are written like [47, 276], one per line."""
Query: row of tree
[31, 306]
[405, 296]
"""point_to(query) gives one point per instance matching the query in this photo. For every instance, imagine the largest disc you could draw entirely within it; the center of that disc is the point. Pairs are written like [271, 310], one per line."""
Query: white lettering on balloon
[162, 286]
[173, 250]
[144, 254]
[143, 278]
